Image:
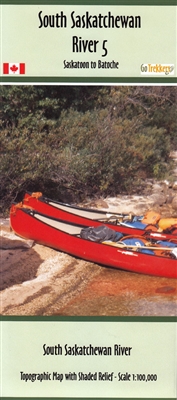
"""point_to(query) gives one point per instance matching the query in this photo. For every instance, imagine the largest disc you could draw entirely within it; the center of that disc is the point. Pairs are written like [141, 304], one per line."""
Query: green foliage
[71, 142]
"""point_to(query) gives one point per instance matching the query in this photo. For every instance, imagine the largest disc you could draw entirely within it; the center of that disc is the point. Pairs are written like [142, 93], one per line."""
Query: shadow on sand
[19, 262]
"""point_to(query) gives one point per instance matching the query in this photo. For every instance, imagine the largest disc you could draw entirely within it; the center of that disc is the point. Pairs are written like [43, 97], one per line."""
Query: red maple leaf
[14, 68]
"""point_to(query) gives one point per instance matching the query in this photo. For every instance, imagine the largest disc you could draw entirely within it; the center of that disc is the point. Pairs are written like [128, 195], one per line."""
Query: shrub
[69, 149]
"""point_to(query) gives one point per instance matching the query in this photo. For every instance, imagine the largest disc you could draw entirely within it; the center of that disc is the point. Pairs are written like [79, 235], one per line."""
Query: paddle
[118, 217]
[122, 245]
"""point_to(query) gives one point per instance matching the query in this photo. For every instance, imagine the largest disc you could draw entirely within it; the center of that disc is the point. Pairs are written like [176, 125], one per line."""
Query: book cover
[88, 118]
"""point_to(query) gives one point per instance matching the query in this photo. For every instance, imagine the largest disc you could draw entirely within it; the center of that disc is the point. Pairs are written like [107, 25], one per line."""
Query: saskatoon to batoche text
[91, 64]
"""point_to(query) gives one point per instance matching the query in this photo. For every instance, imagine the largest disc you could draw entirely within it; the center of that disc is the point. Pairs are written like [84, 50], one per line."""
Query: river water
[120, 293]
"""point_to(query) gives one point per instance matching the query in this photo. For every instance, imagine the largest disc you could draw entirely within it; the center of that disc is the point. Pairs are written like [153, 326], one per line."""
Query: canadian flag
[13, 68]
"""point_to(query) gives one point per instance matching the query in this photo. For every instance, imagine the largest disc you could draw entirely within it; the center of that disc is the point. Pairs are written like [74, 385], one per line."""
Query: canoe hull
[27, 225]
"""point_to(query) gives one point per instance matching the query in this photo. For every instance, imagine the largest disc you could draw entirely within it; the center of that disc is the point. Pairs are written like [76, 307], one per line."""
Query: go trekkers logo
[157, 69]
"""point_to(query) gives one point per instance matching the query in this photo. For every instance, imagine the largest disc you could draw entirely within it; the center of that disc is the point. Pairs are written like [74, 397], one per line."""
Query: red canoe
[65, 236]
[89, 217]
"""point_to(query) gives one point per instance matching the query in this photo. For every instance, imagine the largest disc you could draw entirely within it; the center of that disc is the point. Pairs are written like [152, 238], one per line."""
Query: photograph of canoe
[89, 200]
[100, 244]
